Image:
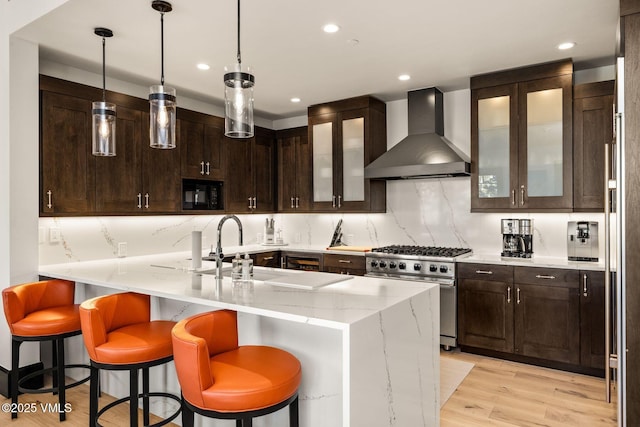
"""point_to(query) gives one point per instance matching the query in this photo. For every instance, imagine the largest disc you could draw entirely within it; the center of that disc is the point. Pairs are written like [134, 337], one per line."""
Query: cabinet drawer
[267, 259]
[492, 272]
[546, 276]
[350, 262]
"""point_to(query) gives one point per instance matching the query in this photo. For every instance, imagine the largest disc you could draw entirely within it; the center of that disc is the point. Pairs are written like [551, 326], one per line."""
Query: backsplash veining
[419, 212]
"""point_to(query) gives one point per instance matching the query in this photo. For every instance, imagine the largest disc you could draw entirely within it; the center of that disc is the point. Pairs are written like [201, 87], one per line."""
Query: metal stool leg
[187, 415]
[60, 377]
[293, 413]
[93, 396]
[145, 396]
[15, 372]
[133, 397]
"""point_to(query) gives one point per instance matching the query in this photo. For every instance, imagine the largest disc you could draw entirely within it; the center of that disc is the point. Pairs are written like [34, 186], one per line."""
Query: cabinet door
[238, 184]
[592, 333]
[119, 178]
[160, 177]
[485, 314]
[494, 148]
[351, 186]
[545, 138]
[200, 139]
[294, 170]
[547, 322]
[263, 171]
[592, 129]
[344, 264]
[66, 163]
[323, 134]
[267, 259]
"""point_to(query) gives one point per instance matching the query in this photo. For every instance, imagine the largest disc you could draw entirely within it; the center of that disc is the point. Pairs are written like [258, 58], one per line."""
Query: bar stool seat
[42, 311]
[119, 335]
[221, 379]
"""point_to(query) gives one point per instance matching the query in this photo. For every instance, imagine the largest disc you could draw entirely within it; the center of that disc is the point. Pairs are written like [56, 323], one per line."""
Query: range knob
[433, 268]
[392, 264]
[417, 266]
[402, 266]
[443, 269]
[383, 264]
[374, 263]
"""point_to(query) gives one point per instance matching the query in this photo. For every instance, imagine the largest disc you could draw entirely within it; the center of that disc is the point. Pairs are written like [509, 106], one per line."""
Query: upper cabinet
[521, 139]
[250, 173]
[592, 129]
[346, 136]
[294, 170]
[201, 139]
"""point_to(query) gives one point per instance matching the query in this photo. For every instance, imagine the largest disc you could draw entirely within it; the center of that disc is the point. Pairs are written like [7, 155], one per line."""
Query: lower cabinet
[344, 264]
[553, 317]
[266, 259]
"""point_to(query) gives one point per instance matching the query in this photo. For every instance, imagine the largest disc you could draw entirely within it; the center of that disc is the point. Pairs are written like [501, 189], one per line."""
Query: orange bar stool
[41, 311]
[119, 335]
[220, 379]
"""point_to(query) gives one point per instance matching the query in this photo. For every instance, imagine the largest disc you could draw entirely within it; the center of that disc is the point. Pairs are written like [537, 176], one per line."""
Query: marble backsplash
[420, 212]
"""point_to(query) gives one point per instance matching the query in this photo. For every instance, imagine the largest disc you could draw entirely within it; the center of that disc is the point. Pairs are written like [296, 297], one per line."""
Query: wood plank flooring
[495, 393]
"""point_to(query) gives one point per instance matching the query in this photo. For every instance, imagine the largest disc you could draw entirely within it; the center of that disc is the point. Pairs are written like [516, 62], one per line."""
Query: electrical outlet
[54, 235]
[122, 249]
[349, 239]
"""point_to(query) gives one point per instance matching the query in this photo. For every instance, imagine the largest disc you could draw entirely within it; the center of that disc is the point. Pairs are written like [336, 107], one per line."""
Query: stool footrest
[51, 389]
[142, 395]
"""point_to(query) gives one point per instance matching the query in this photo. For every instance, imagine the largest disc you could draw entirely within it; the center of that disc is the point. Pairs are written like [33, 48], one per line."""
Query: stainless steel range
[428, 264]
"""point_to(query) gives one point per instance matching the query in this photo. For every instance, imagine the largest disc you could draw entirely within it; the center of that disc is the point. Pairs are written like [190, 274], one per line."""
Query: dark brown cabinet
[521, 139]
[344, 264]
[592, 129]
[486, 307]
[250, 173]
[267, 259]
[592, 312]
[346, 136]
[201, 139]
[294, 170]
[67, 167]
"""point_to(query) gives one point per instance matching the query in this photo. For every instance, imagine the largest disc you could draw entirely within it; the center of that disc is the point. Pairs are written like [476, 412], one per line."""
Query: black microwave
[201, 195]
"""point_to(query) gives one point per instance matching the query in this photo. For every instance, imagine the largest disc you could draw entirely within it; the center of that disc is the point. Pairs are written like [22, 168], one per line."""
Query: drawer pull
[267, 258]
[544, 276]
[344, 261]
[508, 294]
[585, 290]
[517, 295]
[484, 272]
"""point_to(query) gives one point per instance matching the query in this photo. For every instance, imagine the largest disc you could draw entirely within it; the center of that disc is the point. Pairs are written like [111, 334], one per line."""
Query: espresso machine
[517, 238]
[582, 240]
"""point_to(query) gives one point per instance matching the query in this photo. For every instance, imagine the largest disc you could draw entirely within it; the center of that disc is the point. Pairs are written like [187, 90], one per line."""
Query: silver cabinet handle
[297, 202]
[250, 205]
[517, 295]
[146, 200]
[344, 261]
[292, 205]
[522, 195]
[255, 204]
[339, 201]
[196, 197]
[543, 276]
[139, 200]
[334, 201]
[508, 294]
[585, 290]
[484, 272]
[49, 205]
[513, 196]
[202, 168]
[282, 262]
[267, 258]
[208, 172]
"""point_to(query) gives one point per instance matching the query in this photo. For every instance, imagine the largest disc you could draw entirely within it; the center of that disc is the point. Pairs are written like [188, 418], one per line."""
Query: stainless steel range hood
[425, 153]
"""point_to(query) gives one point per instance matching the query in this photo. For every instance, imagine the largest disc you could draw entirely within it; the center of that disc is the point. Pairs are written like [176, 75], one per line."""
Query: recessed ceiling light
[566, 45]
[331, 28]
[203, 66]
[404, 77]
[295, 99]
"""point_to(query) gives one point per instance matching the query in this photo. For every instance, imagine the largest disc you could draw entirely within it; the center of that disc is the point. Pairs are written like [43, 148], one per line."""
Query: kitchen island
[369, 347]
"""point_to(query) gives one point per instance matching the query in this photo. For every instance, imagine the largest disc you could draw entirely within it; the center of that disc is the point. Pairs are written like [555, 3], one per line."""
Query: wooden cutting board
[350, 248]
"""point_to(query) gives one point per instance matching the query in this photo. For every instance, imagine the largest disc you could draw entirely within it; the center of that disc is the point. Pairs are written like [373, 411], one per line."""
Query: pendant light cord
[104, 78]
[239, 58]
[162, 48]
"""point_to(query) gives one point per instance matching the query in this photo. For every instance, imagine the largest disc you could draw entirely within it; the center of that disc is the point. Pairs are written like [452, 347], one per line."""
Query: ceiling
[438, 42]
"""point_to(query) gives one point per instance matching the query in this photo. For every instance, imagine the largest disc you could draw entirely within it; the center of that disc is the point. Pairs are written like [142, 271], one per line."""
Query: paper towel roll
[196, 250]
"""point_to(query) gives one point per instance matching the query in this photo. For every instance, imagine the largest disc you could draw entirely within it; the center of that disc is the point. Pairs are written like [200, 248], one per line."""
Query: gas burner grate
[435, 251]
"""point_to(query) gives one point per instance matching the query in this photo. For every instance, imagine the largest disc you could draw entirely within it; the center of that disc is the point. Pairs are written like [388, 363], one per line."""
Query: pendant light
[103, 112]
[162, 99]
[238, 97]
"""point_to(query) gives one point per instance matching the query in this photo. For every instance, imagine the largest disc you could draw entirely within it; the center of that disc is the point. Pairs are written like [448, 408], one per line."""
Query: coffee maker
[517, 238]
[582, 240]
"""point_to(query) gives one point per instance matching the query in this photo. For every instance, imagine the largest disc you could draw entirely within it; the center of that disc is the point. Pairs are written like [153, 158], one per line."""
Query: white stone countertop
[294, 247]
[337, 305]
[535, 261]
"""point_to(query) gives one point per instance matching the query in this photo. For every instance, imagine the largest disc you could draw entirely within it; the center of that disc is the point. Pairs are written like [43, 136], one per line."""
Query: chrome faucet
[218, 254]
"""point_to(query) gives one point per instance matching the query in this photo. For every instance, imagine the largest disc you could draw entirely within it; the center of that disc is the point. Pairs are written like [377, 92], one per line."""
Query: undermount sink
[289, 278]
[257, 274]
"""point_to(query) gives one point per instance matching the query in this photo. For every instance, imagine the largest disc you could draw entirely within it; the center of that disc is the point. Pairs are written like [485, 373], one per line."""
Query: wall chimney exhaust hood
[425, 153]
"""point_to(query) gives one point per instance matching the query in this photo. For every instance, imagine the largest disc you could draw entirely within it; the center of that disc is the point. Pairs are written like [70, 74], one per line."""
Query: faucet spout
[219, 254]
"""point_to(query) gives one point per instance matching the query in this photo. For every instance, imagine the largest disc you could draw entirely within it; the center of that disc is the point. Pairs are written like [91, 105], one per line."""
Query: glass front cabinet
[345, 137]
[521, 139]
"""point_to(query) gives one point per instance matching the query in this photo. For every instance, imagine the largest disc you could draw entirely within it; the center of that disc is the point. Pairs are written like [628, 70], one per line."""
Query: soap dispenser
[247, 268]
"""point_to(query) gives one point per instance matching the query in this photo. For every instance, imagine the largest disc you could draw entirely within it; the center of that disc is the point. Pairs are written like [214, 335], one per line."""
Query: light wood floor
[495, 393]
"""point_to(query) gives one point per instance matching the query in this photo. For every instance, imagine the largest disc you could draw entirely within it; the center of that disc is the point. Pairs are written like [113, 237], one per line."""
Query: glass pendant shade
[238, 101]
[162, 116]
[104, 128]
